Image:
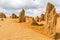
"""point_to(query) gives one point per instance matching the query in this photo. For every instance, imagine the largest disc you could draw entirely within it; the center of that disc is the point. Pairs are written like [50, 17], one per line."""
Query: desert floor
[10, 29]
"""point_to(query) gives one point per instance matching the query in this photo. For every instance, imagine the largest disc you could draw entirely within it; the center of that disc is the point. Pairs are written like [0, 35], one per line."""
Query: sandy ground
[10, 29]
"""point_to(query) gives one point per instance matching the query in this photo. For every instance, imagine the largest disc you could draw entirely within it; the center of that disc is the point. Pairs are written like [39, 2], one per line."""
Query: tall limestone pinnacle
[51, 19]
[49, 7]
[22, 16]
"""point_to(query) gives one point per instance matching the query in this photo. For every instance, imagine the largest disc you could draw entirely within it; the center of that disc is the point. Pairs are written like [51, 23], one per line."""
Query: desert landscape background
[22, 27]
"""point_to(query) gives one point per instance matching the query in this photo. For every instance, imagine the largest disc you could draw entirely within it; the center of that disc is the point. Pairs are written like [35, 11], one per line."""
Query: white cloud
[17, 4]
[32, 7]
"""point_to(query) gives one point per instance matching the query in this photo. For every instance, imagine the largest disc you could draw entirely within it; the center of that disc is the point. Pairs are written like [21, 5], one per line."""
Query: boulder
[2, 15]
[2, 19]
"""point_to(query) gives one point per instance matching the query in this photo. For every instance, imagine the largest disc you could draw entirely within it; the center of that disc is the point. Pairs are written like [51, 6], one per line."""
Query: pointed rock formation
[48, 10]
[14, 16]
[2, 15]
[51, 19]
[38, 19]
[22, 16]
[42, 17]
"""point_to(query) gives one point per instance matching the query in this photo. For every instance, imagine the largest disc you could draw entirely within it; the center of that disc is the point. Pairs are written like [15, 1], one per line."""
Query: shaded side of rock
[58, 15]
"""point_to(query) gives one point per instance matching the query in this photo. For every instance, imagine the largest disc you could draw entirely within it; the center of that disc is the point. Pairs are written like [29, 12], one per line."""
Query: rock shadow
[57, 36]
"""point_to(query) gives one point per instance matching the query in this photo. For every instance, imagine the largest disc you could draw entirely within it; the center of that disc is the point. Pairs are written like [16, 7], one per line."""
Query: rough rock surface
[51, 19]
[22, 16]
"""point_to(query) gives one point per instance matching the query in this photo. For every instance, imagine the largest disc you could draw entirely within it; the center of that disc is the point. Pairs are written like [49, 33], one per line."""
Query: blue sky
[32, 7]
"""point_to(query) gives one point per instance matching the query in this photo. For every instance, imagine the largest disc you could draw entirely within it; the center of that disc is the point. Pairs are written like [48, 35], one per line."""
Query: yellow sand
[10, 29]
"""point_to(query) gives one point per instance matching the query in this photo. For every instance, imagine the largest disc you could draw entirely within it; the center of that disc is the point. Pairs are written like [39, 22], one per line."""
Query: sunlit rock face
[22, 16]
[51, 19]
[2, 15]
[49, 7]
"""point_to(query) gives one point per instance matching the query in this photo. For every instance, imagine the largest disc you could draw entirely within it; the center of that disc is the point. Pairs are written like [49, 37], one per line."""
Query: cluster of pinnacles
[50, 17]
